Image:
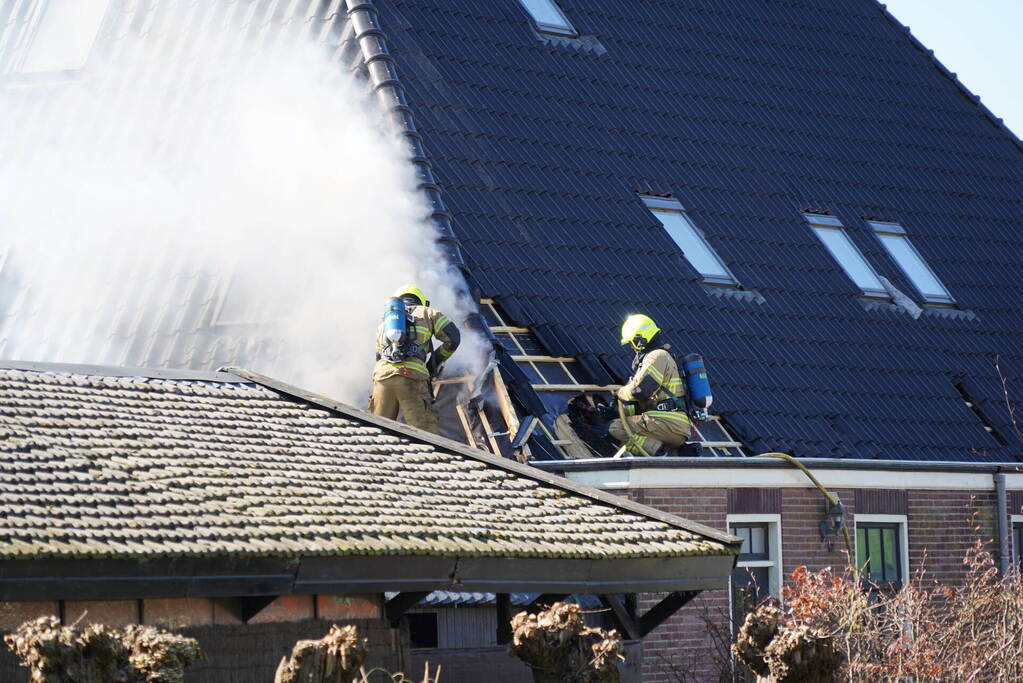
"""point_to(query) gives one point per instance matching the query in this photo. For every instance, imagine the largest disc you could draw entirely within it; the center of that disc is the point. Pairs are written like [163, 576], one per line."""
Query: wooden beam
[663, 610]
[507, 409]
[575, 387]
[401, 603]
[251, 605]
[625, 621]
[489, 431]
[465, 425]
[504, 631]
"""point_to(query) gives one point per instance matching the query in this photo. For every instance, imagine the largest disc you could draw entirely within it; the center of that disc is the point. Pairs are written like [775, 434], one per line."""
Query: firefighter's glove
[435, 365]
[629, 408]
[606, 412]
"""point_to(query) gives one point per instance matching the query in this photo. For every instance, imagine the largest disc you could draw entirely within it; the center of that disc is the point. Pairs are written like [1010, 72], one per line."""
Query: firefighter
[406, 384]
[653, 400]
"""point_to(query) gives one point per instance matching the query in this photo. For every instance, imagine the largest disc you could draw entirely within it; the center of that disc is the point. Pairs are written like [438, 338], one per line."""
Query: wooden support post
[401, 603]
[504, 631]
[625, 621]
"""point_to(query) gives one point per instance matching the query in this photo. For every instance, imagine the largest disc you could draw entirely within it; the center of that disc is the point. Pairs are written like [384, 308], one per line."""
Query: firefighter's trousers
[651, 430]
[411, 395]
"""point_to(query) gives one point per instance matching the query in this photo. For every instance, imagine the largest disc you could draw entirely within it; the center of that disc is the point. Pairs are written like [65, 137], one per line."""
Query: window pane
[850, 258]
[697, 252]
[915, 268]
[743, 533]
[546, 13]
[891, 566]
[875, 553]
[65, 35]
[758, 540]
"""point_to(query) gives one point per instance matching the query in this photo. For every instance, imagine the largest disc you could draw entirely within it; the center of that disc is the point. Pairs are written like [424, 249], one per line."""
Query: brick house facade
[940, 511]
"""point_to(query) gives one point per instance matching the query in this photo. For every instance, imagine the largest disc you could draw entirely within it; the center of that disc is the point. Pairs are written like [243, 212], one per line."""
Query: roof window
[894, 239]
[832, 234]
[548, 17]
[63, 36]
[690, 240]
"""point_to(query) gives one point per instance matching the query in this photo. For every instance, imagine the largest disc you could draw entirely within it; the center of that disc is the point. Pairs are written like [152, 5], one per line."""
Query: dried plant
[833, 628]
[335, 658]
[98, 654]
[560, 648]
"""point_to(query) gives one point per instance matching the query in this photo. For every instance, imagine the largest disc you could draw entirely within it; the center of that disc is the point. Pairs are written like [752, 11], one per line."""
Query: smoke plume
[195, 199]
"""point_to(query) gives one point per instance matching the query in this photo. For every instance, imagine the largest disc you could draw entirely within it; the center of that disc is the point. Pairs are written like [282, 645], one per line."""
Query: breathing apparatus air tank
[697, 383]
[395, 318]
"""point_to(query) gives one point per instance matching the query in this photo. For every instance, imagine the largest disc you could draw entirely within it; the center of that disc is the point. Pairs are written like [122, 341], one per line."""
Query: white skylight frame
[895, 240]
[690, 240]
[549, 17]
[831, 233]
[61, 37]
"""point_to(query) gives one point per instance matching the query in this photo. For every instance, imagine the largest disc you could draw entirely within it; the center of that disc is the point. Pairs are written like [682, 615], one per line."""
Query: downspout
[1001, 509]
[383, 76]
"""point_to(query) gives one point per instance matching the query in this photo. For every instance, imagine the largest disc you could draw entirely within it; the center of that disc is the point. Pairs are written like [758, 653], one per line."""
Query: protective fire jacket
[426, 323]
[654, 381]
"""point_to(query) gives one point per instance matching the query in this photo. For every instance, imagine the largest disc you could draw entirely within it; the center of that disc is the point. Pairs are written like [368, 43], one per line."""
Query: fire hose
[832, 498]
[631, 436]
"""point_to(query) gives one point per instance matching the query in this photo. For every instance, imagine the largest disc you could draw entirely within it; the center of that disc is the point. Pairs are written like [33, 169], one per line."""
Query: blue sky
[981, 41]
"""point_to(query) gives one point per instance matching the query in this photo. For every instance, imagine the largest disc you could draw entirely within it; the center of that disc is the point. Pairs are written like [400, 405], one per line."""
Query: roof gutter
[601, 464]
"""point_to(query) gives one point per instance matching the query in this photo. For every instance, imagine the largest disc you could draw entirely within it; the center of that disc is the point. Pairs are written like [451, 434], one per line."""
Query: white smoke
[191, 165]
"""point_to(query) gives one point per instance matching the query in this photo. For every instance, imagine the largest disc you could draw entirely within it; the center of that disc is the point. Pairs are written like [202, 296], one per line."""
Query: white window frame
[895, 230]
[821, 222]
[36, 25]
[562, 28]
[903, 525]
[774, 548]
[665, 205]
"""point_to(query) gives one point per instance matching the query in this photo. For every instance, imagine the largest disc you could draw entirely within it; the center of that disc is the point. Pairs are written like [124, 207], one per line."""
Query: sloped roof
[140, 465]
[749, 113]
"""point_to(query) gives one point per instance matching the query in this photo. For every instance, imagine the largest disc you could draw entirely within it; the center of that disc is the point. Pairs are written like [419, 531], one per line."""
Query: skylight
[894, 239]
[690, 240]
[548, 17]
[831, 233]
[64, 35]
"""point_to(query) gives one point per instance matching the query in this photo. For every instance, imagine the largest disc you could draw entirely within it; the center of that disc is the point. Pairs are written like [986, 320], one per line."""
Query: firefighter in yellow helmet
[404, 383]
[654, 398]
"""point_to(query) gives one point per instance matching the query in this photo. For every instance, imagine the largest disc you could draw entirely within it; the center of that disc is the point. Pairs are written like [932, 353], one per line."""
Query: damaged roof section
[134, 467]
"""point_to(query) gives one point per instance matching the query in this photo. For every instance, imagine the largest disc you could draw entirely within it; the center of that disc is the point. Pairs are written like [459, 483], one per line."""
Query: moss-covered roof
[138, 467]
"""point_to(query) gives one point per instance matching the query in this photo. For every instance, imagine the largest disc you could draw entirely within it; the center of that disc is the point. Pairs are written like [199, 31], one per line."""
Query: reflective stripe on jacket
[656, 376]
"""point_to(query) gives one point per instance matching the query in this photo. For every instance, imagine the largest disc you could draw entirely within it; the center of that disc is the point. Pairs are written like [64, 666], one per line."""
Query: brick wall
[692, 645]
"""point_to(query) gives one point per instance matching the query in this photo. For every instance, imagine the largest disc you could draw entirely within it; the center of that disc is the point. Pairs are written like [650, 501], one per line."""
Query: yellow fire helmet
[412, 290]
[638, 330]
